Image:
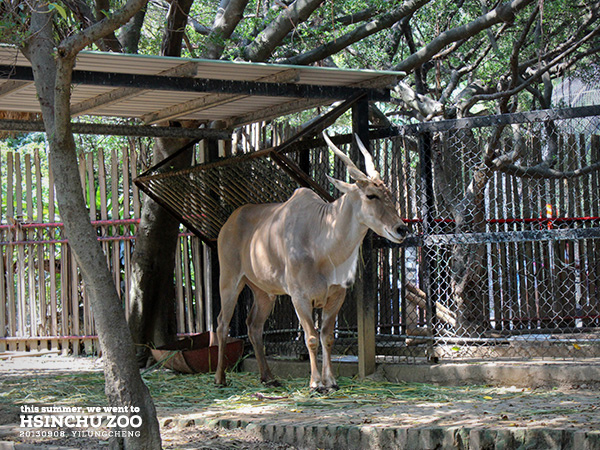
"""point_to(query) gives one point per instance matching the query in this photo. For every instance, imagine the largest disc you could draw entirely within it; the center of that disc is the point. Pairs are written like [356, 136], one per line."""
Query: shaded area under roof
[108, 84]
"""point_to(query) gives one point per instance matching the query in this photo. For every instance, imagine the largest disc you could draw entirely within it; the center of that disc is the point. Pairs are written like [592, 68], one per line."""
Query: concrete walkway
[564, 413]
[518, 421]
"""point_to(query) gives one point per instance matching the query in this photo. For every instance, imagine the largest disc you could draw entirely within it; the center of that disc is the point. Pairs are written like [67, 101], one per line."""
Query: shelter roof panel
[21, 100]
[235, 104]
[81, 92]
[237, 108]
[122, 63]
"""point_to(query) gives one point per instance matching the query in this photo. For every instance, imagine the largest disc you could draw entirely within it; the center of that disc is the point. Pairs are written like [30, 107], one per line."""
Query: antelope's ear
[341, 186]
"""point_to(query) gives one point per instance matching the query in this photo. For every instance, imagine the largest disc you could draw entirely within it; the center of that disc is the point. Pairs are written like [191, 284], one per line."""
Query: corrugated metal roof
[152, 106]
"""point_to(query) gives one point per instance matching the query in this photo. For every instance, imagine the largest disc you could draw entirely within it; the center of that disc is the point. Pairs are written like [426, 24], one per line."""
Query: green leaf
[61, 10]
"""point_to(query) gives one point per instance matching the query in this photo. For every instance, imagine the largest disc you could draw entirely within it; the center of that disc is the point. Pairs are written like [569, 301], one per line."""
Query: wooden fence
[43, 303]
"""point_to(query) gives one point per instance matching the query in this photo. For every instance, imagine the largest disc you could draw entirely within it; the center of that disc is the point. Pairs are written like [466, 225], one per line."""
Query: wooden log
[137, 206]
[41, 275]
[115, 250]
[7, 355]
[179, 297]
[188, 286]
[3, 293]
[64, 296]
[18, 236]
[89, 187]
[32, 297]
[75, 281]
[127, 244]
[418, 298]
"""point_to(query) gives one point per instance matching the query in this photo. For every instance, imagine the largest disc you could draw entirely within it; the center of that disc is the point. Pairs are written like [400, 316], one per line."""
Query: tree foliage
[466, 57]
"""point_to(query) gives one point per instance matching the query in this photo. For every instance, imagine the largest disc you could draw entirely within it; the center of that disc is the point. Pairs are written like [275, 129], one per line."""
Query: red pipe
[65, 241]
[96, 223]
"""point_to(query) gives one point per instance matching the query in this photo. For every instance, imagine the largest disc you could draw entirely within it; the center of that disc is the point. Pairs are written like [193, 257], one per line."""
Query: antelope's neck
[344, 232]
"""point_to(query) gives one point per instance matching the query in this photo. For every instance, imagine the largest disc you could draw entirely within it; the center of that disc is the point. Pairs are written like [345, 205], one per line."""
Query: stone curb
[347, 437]
[527, 374]
[9, 445]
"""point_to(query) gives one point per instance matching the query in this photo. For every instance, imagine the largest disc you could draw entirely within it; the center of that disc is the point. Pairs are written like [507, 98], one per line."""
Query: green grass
[170, 390]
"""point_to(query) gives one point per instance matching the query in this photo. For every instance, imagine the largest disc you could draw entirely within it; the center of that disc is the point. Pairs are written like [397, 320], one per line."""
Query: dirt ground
[574, 408]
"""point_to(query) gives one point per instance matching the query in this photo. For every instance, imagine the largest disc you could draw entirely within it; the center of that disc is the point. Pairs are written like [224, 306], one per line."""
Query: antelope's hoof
[272, 383]
[220, 382]
[324, 390]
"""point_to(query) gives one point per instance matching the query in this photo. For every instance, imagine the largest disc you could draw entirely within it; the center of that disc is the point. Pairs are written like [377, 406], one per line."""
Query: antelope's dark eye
[372, 196]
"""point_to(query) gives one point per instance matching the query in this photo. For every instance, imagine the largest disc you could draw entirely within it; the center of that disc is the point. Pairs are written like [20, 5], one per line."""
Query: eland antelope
[306, 248]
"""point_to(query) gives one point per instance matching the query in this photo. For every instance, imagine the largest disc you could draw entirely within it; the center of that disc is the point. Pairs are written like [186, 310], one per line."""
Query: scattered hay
[181, 391]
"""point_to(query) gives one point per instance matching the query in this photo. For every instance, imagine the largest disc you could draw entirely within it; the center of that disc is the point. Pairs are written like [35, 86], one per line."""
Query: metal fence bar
[500, 119]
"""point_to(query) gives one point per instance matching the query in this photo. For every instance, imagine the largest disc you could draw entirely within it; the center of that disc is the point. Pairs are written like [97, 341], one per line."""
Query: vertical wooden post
[213, 297]
[367, 290]
[3, 293]
[54, 329]
[200, 324]
[41, 276]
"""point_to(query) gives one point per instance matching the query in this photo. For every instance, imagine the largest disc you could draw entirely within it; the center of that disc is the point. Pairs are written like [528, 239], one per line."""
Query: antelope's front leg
[303, 309]
[330, 312]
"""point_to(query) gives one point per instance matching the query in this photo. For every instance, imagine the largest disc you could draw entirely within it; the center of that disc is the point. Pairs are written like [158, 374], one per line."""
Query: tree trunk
[176, 22]
[152, 318]
[124, 386]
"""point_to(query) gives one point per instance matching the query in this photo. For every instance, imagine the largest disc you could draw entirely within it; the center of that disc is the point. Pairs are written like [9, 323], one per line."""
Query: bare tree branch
[518, 46]
[229, 15]
[72, 45]
[503, 13]
[271, 37]
[536, 75]
[368, 29]
[356, 17]
[425, 106]
[110, 41]
[542, 171]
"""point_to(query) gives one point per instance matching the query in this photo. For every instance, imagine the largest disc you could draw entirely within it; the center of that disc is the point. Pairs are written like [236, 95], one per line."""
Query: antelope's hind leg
[230, 291]
[330, 312]
[261, 308]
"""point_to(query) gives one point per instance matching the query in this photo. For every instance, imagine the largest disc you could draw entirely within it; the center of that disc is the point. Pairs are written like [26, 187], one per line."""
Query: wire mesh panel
[203, 197]
[509, 261]
[503, 260]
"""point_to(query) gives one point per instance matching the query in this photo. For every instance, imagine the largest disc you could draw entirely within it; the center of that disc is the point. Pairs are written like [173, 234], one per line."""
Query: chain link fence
[503, 255]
